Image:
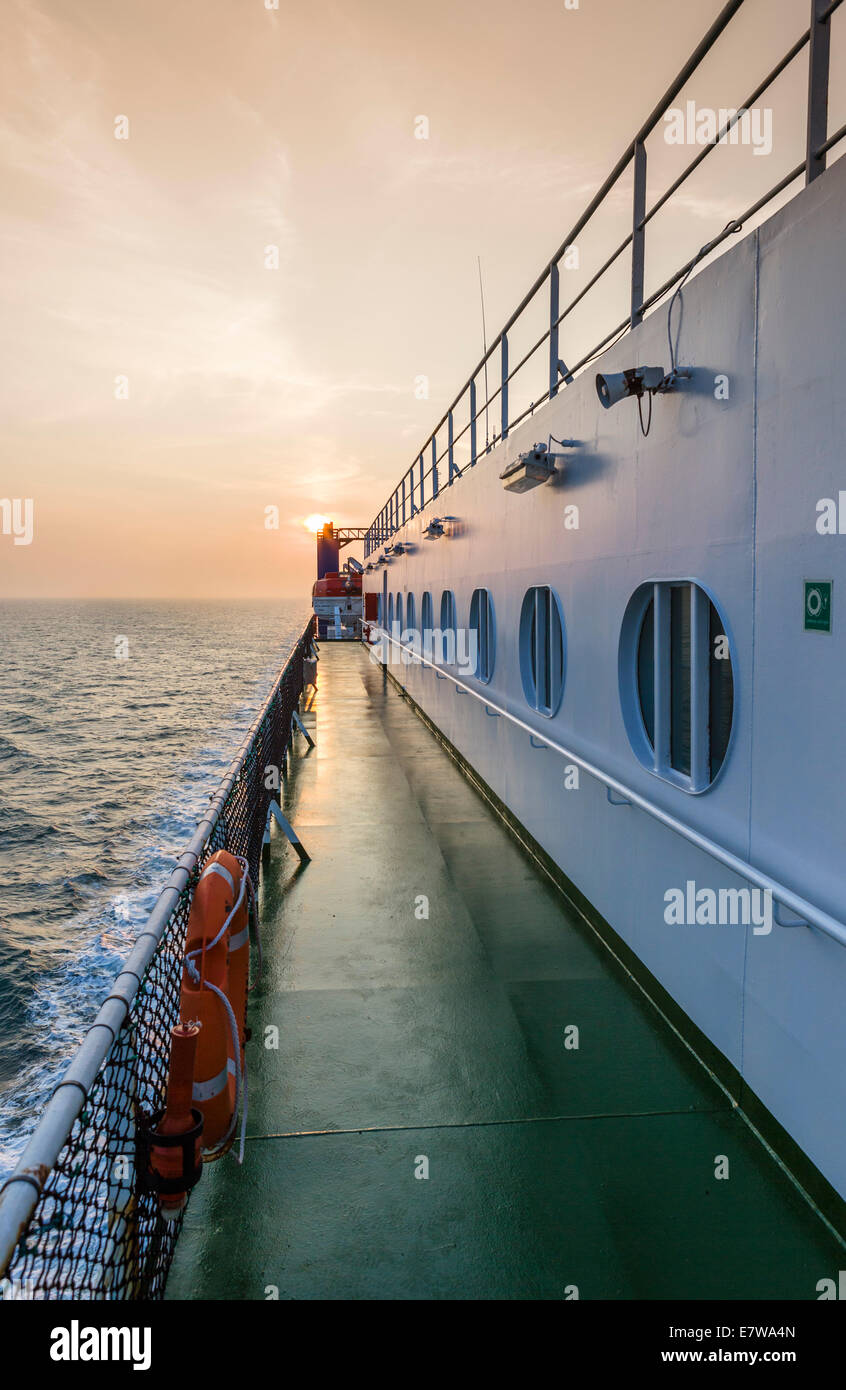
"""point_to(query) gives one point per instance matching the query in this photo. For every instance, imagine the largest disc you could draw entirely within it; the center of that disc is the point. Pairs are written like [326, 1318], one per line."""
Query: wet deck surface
[404, 1038]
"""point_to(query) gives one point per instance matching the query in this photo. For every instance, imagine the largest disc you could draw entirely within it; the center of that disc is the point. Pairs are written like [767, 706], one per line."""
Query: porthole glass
[390, 610]
[542, 650]
[446, 651]
[398, 613]
[410, 613]
[482, 633]
[677, 682]
[426, 617]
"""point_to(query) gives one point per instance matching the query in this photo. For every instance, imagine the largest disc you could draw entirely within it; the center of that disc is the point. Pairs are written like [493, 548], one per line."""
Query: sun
[315, 523]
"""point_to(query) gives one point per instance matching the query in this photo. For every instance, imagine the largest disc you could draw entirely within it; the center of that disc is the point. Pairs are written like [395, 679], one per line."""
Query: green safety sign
[818, 605]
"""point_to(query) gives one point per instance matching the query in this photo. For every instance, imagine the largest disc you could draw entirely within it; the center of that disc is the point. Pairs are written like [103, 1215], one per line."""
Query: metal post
[700, 670]
[453, 471]
[276, 813]
[403, 499]
[422, 485]
[638, 232]
[661, 667]
[818, 68]
[553, 330]
[300, 726]
[504, 356]
[414, 507]
[434, 466]
[472, 423]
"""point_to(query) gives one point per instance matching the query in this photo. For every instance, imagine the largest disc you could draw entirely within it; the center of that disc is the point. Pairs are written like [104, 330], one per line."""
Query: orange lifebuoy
[215, 975]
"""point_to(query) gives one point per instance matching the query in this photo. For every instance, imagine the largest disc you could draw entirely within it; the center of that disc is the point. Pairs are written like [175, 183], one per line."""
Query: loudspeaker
[617, 385]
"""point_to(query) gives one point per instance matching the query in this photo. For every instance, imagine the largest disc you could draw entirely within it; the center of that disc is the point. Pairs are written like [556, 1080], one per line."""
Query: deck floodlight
[434, 530]
[533, 467]
[529, 469]
[616, 386]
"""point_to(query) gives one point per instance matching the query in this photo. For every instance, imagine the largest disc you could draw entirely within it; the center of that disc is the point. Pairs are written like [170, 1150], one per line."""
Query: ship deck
[408, 1043]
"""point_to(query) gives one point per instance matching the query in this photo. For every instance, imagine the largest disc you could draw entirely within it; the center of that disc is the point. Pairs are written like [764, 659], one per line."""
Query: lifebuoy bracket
[147, 1138]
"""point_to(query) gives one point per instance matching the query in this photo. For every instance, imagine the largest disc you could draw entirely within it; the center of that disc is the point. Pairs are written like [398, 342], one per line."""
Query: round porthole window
[677, 686]
[447, 652]
[426, 616]
[483, 634]
[542, 650]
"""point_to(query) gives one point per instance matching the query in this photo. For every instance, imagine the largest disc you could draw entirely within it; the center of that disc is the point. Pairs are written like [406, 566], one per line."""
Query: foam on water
[106, 767]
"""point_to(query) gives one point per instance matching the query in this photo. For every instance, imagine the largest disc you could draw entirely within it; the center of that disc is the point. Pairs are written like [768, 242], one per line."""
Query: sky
[266, 294]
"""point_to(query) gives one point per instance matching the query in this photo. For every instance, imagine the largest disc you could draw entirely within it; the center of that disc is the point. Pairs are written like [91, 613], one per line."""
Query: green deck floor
[401, 1038]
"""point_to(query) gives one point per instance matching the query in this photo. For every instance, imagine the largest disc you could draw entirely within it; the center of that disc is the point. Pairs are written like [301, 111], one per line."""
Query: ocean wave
[76, 889]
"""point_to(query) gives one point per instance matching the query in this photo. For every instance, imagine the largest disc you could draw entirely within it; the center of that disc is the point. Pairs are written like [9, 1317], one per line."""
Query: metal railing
[423, 481]
[75, 1221]
[807, 913]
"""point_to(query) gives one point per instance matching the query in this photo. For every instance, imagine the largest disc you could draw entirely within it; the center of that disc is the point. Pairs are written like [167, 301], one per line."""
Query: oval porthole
[542, 650]
[426, 617]
[446, 652]
[677, 686]
[482, 634]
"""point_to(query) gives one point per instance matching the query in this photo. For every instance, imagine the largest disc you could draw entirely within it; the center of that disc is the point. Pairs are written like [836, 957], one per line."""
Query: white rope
[255, 919]
[240, 1066]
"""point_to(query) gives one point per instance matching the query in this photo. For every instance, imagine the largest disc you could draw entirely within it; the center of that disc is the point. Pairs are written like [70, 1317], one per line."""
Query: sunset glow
[315, 522]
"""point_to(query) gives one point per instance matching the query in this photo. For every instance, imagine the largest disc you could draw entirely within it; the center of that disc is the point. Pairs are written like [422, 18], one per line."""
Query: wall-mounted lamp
[531, 468]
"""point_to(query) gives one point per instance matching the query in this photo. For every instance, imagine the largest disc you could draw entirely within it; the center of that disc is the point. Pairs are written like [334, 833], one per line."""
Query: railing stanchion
[434, 466]
[453, 471]
[504, 356]
[638, 232]
[472, 422]
[554, 277]
[818, 69]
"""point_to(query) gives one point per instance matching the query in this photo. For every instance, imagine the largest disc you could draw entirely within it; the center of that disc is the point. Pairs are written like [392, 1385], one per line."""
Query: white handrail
[811, 916]
[20, 1192]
